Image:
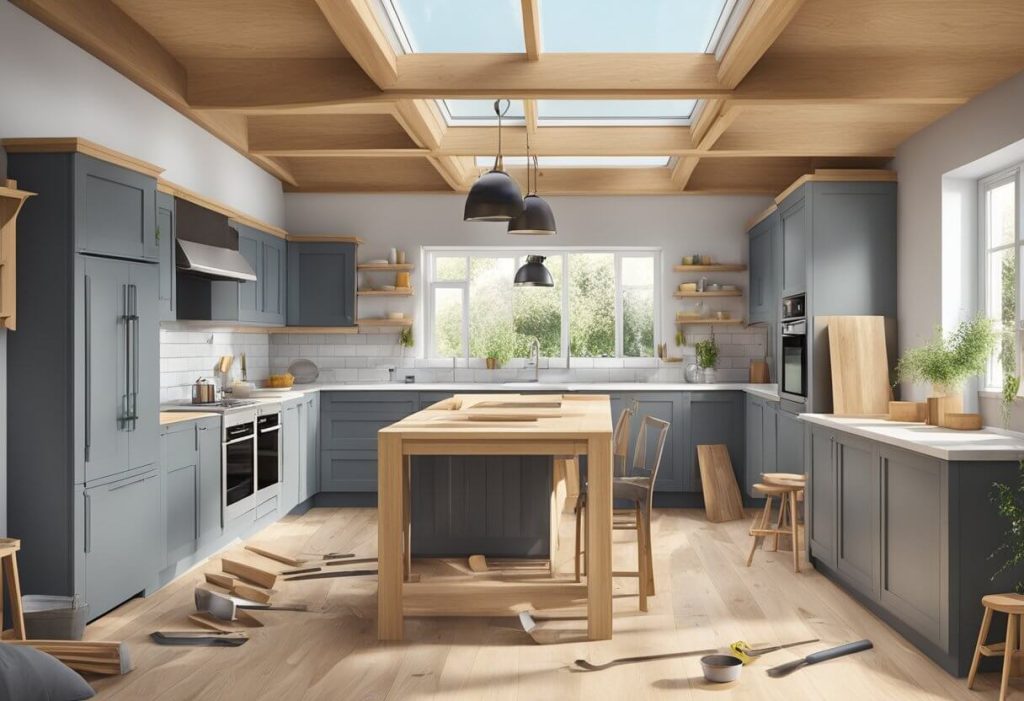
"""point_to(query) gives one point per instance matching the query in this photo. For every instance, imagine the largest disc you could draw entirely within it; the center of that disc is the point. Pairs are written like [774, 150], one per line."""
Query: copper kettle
[203, 392]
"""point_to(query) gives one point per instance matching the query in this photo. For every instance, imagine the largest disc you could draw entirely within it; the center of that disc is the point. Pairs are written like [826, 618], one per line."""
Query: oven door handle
[240, 440]
[271, 429]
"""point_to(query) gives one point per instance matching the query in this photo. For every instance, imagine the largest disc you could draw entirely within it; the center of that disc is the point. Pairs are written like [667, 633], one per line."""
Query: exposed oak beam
[105, 31]
[709, 112]
[530, 112]
[682, 171]
[531, 28]
[569, 141]
[357, 28]
[764, 21]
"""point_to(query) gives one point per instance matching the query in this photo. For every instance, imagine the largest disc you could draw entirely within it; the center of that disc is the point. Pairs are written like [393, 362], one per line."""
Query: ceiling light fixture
[495, 195]
[534, 274]
[537, 218]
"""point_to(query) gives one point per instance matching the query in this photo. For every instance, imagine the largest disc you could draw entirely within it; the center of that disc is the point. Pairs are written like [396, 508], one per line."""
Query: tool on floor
[739, 649]
[329, 575]
[330, 563]
[251, 573]
[278, 557]
[206, 619]
[206, 638]
[721, 669]
[330, 556]
[814, 658]
[85, 656]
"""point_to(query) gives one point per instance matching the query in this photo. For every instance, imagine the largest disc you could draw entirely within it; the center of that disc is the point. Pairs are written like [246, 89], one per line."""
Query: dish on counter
[305, 371]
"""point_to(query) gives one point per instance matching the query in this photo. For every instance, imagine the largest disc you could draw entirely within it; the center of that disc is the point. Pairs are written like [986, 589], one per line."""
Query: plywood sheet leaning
[722, 500]
[860, 366]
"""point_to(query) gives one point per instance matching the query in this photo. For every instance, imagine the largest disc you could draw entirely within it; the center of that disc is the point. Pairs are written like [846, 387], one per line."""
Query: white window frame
[985, 185]
[431, 252]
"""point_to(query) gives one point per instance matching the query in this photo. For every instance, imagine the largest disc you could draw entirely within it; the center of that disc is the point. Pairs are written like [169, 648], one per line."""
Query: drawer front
[179, 449]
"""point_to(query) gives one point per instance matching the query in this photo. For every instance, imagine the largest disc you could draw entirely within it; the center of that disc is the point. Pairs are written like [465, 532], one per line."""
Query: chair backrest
[620, 440]
[642, 466]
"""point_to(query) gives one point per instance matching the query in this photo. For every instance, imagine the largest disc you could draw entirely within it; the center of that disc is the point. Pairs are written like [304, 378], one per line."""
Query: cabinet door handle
[88, 367]
[88, 523]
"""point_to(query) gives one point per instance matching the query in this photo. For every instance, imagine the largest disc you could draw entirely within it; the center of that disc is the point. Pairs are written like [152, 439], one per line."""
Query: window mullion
[618, 305]
[565, 309]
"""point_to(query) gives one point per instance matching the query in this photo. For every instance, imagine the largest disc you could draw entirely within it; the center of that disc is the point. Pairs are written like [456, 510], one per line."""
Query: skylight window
[581, 161]
[479, 112]
[637, 26]
[614, 112]
[440, 26]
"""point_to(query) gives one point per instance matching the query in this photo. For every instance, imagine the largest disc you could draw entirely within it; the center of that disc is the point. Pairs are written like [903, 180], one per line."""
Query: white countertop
[934, 441]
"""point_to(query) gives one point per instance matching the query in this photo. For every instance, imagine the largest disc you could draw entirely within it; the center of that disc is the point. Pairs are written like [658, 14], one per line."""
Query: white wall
[709, 225]
[49, 87]
[930, 251]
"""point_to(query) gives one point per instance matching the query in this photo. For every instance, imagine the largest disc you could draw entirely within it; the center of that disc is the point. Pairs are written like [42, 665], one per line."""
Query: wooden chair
[9, 548]
[786, 524]
[637, 488]
[1013, 606]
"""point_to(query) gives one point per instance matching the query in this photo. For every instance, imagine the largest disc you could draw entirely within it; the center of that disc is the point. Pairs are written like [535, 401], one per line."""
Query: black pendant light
[495, 195]
[533, 274]
[537, 218]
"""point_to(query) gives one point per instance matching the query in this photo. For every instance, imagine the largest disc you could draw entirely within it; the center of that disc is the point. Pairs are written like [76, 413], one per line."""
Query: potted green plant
[707, 357]
[497, 351]
[405, 338]
[947, 362]
[1011, 385]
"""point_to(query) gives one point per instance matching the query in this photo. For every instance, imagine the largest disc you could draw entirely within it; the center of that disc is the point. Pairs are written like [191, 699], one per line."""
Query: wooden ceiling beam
[530, 113]
[569, 141]
[761, 26]
[531, 28]
[361, 35]
[106, 32]
[682, 171]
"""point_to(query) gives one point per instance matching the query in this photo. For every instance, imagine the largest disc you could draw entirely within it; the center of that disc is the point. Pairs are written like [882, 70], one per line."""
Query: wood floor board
[706, 598]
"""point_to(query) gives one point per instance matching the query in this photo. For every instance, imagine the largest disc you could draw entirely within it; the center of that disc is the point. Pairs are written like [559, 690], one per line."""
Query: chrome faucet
[453, 369]
[535, 352]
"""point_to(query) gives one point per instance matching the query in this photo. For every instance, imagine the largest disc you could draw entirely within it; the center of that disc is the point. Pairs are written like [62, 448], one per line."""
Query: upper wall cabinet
[793, 223]
[764, 281]
[321, 284]
[262, 301]
[165, 237]
[115, 210]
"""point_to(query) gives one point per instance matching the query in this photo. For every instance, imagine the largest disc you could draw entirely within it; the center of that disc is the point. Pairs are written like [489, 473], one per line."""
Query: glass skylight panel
[596, 112]
[637, 26]
[581, 161]
[443, 26]
[479, 112]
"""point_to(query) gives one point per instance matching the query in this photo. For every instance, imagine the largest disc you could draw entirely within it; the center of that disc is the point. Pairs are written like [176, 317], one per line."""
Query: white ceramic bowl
[721, 669]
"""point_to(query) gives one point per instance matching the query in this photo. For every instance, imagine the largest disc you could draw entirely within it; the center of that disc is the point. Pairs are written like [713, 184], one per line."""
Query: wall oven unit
[251, 459]
[794, 353]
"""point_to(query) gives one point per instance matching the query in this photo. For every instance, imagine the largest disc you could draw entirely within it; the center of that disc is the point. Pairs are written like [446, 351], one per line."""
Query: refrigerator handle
[88, 366]
[135, 355]
[125, 407]
[88, 525]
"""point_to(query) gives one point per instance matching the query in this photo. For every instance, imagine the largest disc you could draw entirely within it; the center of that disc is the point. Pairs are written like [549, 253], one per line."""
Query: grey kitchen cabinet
[165, 239]
[263, 300]
[250, 246]
[789, 442]
[122, 539]
[793, 243]
[348, 440]
[763, 297]
[211, 496]
[712, 418]
[88, 308]
[321, 284]
[191, 461]
[856, 512]
[309, 427]
[114, 210]
[274, 285]
[292, 449]
[755, 424]
[821, 494]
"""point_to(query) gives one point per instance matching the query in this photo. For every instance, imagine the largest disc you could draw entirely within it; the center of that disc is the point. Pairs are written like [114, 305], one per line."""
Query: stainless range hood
[213, 262]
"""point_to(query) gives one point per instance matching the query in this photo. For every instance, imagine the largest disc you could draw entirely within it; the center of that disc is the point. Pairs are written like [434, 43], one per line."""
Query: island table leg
[390, 534]
[599, 538]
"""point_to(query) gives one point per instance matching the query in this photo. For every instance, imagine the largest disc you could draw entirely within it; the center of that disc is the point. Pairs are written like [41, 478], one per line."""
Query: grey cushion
[26, 674]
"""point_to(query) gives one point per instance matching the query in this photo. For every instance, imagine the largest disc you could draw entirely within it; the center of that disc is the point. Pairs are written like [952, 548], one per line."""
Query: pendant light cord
[529, 186]
[501, 113]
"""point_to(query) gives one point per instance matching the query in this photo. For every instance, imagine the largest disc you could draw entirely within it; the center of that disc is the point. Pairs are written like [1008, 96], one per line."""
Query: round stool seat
[1004, 603]
[786, 478]
[9, 545]
[776, 490]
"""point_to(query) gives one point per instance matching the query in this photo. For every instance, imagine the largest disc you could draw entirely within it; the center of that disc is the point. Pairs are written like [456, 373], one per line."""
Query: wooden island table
[484, 425]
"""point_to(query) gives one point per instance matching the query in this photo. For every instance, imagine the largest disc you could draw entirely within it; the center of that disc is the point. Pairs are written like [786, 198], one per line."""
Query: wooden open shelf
[385, 266]
[386, 293]
[715, 268]
[710, 322]
[385, 323]
[323, 330]
[11, 200]
[712, 293]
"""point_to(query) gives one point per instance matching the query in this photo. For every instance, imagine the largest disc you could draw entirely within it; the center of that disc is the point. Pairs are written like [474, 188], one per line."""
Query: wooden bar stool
[1013, 606]
[9, 548]
[786, 522]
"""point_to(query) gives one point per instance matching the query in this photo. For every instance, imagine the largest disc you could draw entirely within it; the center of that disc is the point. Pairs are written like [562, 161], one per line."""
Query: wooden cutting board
[722, 499]
[860, 365]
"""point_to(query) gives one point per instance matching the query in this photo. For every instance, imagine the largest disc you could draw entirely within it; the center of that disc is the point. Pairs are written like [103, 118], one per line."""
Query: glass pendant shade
[494, 197]
[537, 218]
[533, 274]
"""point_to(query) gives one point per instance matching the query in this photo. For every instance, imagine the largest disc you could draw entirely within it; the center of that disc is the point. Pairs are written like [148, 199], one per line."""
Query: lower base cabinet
[774, 442]
[291, 455]
[122, 538]
[191, 465]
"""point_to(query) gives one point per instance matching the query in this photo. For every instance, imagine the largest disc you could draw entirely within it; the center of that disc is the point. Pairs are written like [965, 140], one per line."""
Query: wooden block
[91, 656]
[962, 422]
[758, 372]
[270, 554]
[261, 596]
[938, 407]
[478, 563]
[860, 366]
[722, 499]
[914, 412]
[225, 581]
[253, 574]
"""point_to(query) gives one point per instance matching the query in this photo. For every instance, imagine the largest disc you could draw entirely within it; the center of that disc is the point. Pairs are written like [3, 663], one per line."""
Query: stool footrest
[998, 650]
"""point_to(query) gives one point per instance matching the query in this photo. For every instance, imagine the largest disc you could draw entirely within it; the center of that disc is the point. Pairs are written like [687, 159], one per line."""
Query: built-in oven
[268, 454]
[239, 460]
[793, 375]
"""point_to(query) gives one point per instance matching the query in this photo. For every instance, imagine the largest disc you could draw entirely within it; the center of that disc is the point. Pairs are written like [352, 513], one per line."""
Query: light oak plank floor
[706, 597]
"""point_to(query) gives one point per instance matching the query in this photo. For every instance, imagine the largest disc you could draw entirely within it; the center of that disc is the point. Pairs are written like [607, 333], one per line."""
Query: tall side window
[603, 304]
[1001, 248]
